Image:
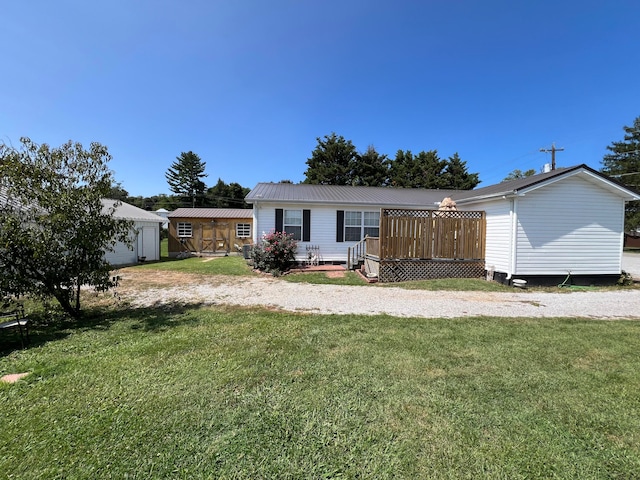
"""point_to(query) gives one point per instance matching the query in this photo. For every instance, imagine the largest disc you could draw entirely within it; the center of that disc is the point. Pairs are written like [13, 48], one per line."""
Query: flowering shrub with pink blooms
[274, 253]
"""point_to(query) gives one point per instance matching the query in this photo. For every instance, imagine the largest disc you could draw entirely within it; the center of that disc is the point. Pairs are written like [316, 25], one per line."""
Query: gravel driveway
[372, 300]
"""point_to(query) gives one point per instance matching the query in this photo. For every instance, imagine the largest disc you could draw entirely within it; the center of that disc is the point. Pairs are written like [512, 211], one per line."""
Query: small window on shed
[243, 230]
[185, 229]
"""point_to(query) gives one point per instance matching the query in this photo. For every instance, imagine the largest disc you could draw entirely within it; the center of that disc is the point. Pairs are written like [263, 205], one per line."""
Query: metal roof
[211, 213]
[414, 197]
[345, 194]
[129, 212]
[513, 187]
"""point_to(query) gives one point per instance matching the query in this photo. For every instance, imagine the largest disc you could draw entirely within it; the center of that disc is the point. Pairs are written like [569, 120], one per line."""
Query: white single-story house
[144, 235]
[330, 218]
[538, 228]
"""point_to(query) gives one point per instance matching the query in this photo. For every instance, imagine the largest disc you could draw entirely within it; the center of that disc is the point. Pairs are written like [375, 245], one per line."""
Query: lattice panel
[397, 212]
[405, 270]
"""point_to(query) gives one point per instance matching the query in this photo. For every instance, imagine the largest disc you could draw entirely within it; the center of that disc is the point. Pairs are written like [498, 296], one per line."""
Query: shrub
[274, 253]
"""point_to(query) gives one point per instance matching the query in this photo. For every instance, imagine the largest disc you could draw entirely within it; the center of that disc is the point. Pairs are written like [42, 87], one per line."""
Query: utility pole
[553, 151]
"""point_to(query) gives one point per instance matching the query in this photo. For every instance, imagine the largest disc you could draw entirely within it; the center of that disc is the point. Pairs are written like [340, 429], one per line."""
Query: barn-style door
[207, 238]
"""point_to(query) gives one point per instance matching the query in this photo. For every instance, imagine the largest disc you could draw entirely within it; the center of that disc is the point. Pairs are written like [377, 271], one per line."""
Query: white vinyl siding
[572, 225]
[323, 228]
[145, 240]
[498, 233]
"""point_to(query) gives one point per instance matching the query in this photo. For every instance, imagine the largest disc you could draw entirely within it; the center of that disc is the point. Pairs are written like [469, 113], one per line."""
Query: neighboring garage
[145, 235]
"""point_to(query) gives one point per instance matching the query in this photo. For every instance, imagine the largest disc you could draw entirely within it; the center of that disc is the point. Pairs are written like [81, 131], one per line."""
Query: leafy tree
[517, 173]
[169, 202]
[54, 230]
[184, 177]
[623, 163]
[456, 176]
[332, 162]
[222, 195]
[118, 193]
[370, 169]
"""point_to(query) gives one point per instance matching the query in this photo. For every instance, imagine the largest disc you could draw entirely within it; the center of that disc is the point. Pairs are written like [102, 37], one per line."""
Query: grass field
[232, 393]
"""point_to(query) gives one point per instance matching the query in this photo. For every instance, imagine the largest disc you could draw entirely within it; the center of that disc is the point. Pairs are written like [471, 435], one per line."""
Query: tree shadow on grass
[44, 329]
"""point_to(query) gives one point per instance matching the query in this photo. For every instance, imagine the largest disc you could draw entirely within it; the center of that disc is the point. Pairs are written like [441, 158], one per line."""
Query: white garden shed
[144, 235]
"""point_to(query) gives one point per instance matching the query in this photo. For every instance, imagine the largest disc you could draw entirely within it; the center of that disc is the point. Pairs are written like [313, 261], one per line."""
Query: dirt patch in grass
[336, 274]
[132, 280]
[13, 377]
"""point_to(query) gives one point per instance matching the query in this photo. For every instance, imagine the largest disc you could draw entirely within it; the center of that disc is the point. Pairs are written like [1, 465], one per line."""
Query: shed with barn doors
[209, 231]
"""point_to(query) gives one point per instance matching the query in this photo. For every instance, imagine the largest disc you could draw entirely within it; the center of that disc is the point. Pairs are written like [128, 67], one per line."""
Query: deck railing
[356, 254]
[368, 246]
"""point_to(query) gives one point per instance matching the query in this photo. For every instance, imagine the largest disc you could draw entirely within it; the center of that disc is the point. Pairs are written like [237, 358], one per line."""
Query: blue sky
[250, 84]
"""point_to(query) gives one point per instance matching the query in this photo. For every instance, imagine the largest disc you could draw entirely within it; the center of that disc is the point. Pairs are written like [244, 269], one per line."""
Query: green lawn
[233, 393]
[231, 265]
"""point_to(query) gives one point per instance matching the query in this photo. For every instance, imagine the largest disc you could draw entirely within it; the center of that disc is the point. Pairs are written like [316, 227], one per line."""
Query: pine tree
[184, 177]
[623, 163]
[456, 175]
[370, 169]
[332, 162]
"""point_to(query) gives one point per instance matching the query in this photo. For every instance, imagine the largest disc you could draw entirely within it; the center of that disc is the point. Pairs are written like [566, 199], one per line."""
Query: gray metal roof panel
[512, 187]
[345, 194]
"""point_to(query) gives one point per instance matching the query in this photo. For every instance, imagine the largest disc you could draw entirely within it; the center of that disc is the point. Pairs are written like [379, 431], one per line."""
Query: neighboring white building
[145, 235]
[164, 213]
[538, 228]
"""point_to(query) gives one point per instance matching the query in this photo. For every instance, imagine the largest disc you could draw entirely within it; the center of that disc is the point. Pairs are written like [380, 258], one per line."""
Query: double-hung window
[358, 225]
[292, 223]
[371, 224]
[185, 229]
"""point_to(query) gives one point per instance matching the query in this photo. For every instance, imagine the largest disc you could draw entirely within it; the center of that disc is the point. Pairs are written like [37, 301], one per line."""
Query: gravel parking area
[141, 291]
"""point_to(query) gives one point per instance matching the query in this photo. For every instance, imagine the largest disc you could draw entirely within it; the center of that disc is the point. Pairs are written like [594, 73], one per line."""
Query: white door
[150, 243]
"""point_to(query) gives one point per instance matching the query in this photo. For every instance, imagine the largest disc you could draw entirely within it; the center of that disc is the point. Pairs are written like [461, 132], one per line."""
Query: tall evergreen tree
[456, 176]
[424, 170]
[332, 162]
[402, 169]
[623, 163]
[184, 178]
[370, 169]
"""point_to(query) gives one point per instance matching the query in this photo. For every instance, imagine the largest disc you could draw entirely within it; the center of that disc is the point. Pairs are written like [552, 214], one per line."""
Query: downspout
[254, 233]
[514, 238]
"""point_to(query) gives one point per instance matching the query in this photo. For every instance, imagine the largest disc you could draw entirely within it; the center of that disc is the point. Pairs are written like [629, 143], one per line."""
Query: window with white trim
[292, 223]
[358, 225]
[243, 230]
[184, 229]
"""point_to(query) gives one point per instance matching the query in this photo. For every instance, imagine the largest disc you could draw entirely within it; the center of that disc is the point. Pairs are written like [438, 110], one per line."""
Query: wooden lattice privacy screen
[432, 234]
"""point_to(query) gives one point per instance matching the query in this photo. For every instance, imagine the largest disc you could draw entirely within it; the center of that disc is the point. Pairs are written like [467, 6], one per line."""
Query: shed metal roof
[211, 213]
